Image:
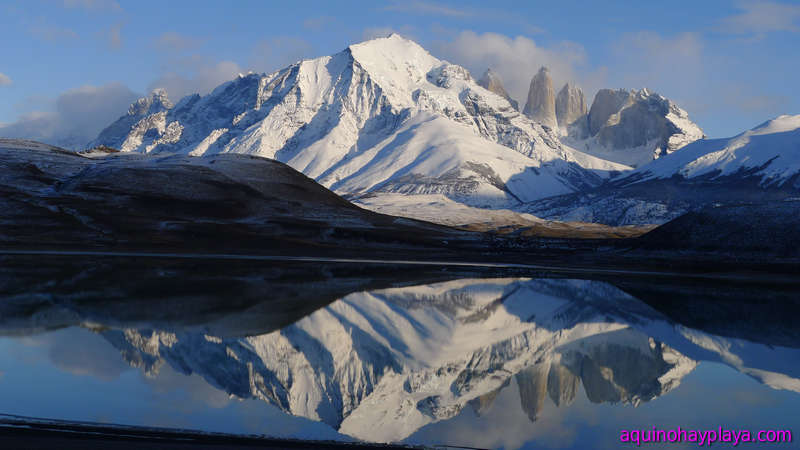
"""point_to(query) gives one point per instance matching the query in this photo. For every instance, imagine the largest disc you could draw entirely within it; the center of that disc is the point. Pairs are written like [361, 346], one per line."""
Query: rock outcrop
[570, 105]
[623, 119]
[631, 127]
[491, 81]
[541, 104]
[607, 103]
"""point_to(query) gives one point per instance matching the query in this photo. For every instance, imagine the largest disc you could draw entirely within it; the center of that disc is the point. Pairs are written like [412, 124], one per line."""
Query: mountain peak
[392, 42]
[570, 105]
[156, 102]
[393, 48]
[780, 124]
[491, 81]
[490, 74]
[541, 104]
[398, 65]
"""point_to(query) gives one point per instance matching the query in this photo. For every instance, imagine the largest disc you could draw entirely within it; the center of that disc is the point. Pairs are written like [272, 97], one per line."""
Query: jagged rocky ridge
[625, 126]
[632, 127]
[380, 365]
[380, 116]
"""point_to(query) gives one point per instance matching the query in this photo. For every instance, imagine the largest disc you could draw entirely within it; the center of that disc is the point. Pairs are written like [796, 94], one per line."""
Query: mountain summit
[570, 105]
[541, 104]
[491, 82]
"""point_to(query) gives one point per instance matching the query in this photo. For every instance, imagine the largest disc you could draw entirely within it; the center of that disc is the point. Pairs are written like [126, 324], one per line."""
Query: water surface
[391, 354]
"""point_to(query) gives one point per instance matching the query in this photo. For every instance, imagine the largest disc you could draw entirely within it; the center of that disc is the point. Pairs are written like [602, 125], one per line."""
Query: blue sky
[72, 66]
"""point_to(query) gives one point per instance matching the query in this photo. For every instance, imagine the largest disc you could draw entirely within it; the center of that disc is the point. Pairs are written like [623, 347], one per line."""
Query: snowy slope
[759, 166]
[441, 209]
[383, 115]
[379, 365]
[770, 151]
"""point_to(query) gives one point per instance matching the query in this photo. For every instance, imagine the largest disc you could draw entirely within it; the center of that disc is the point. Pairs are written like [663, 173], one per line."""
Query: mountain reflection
[381, 364]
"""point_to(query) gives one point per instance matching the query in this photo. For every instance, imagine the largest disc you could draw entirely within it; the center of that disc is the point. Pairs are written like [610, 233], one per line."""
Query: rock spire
[541, 104]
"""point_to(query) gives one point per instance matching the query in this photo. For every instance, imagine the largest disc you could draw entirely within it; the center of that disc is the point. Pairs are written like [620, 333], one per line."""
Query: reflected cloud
[76, 351]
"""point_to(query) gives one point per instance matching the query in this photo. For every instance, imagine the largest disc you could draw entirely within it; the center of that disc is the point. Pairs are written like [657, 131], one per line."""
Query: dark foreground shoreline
[30, 433]
[580, 257]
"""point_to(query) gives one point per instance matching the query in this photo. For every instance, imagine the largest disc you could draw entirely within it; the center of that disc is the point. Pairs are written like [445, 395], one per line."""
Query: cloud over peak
[78, 116]
[428, 8]
[760, 17]
[515, 59]
[93, 5]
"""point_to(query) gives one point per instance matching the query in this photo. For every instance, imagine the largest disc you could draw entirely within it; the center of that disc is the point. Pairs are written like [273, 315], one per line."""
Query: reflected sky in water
[75, 374]
[499, 362]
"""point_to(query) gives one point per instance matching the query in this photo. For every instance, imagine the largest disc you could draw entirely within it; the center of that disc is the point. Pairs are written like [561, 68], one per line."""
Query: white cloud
[77, 117]
[201, 79]
[686, 69]
[114, 37]
[427, 8]
[318, 23]
[93, 5]
[761, 17]
[5, 80]
[74, 350]
[742, 98]
[52, 33]
[187, 72]
[648, 59]
[516, 59]
[175, 42]
[277, 53]
[674, 66]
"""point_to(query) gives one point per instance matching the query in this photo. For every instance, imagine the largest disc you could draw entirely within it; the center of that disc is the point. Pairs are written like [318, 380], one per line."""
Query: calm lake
[390, 353]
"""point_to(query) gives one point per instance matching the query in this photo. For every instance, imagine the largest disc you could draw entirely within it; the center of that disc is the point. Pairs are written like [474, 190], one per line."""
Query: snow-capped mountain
[769, 152]
[380, 116]
[632, 127]
[379, 365]
[758, 166]
[384, 118]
